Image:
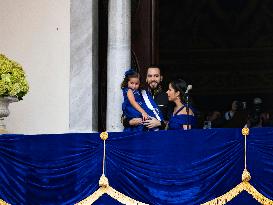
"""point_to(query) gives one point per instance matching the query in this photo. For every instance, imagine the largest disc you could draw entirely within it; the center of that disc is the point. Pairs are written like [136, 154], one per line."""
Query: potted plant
[13, 85]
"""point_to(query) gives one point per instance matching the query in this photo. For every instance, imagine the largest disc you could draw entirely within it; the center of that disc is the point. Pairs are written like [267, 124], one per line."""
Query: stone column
[118, 58]
[83, 102]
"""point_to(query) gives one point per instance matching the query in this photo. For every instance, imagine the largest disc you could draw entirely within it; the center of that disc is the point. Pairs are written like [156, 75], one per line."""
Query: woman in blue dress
[180, 118]
[134, 105]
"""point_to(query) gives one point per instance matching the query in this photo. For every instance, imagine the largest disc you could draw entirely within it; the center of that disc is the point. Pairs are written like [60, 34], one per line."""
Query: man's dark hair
[155, 66]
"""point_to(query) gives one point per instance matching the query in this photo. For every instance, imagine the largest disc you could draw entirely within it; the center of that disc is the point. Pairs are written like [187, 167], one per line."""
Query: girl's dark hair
[181, 86]
[128, 75]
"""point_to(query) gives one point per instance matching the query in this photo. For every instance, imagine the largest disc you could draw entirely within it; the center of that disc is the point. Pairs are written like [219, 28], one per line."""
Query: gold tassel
[246, 176]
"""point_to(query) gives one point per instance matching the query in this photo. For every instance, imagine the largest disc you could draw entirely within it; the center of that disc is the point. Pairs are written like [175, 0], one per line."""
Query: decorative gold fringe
[92, 198]
[3, 202]
[243, 186]
[122, 198]
[227, 196]
[256, 195]
[106, 189]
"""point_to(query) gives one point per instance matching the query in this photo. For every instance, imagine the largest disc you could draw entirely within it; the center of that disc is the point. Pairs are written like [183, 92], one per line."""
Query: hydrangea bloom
[12, 79]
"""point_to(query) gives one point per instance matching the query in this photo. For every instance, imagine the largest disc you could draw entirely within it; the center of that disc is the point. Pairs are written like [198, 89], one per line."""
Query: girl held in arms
[134, 105]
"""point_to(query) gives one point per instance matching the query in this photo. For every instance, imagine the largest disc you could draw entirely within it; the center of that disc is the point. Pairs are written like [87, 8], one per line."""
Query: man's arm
[133, 122]
[152, 123]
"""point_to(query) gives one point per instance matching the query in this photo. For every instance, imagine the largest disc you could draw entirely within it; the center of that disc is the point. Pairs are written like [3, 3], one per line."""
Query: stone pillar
[118, 58]
[83, 102]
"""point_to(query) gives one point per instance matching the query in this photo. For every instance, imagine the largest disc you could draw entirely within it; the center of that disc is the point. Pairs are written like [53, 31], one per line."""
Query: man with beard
[153, 81]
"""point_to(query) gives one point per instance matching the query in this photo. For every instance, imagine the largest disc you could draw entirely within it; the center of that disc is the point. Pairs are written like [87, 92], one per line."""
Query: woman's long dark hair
[181, 86]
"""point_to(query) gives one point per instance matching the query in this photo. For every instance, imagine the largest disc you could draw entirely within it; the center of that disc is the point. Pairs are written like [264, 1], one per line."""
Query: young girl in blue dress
[134, 105]
[180, 118]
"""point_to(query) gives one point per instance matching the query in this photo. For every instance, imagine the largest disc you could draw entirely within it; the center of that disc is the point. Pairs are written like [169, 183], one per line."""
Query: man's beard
[153, 85]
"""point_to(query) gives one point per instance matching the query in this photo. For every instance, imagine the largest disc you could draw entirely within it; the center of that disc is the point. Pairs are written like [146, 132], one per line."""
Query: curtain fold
[164, 167]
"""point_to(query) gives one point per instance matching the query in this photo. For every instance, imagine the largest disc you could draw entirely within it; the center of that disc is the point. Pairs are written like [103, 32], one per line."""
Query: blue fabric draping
[164, 167]
[49, 169]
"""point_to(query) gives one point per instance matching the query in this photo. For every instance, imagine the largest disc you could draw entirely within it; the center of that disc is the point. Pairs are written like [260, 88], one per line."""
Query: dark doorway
[223, 48]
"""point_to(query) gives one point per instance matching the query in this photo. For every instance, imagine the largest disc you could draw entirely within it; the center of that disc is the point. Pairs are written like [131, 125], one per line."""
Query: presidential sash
[149, 101]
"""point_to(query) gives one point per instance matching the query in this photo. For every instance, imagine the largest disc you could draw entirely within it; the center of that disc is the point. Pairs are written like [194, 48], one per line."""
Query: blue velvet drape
[165, 167]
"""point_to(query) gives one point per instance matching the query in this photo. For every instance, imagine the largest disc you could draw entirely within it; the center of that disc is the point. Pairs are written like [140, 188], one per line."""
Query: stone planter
[4, 111]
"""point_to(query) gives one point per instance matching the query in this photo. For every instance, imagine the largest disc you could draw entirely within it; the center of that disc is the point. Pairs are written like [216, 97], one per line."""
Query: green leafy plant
[12, 79]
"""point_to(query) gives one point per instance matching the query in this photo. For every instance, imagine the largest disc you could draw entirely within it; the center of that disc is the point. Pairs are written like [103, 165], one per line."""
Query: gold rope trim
[3, 202]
